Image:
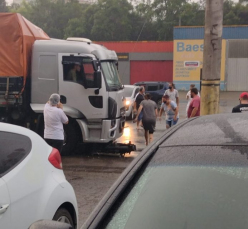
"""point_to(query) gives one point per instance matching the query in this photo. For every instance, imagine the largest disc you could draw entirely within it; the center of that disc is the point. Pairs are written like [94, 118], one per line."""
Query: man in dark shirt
[138, 99]
[243, 106]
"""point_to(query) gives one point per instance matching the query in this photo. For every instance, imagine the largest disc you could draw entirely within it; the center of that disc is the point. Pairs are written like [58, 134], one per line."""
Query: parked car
[155, 88]
[32, 182]
[130, 92]
[194, 176]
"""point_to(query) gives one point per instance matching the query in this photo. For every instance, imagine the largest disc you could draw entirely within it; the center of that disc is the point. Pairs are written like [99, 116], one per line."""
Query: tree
[112, 20]
[118, 20]
[3, 6]
[51, 16]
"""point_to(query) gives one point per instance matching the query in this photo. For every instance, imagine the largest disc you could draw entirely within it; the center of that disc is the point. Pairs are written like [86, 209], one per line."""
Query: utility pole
[210, 90]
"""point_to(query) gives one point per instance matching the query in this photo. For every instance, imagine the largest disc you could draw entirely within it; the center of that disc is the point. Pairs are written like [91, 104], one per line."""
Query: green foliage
[121, 20]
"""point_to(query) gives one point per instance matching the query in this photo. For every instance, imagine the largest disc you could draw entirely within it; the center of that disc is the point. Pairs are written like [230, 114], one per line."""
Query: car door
[5, 214]
[152, 90]
[14, 191]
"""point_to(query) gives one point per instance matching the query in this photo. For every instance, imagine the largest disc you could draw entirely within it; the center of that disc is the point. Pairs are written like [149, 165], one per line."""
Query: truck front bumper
[108, 130]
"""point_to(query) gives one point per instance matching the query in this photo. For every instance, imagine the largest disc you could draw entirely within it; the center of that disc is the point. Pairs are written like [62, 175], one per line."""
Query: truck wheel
[62, 215]
[40, 125]
[72, 136]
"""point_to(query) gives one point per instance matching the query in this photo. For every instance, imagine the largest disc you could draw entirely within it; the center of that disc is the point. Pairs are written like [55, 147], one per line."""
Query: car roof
[221, 129]
[15, 129]
[209, 130]
[151, 82]
[131, 86]
[10, 128]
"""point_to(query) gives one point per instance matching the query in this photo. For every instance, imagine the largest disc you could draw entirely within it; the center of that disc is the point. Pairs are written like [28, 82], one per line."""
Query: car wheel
[63, 216]
[72, 136]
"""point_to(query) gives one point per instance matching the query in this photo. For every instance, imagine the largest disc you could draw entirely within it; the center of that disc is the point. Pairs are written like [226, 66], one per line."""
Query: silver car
[130, 92]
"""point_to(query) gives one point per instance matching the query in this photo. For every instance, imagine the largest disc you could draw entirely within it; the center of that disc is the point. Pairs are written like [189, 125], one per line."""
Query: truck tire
[72, 137]
[40, 125]
[62, 215]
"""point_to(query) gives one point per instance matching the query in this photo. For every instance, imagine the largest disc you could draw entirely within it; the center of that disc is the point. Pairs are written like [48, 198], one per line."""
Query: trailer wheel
[72, 137]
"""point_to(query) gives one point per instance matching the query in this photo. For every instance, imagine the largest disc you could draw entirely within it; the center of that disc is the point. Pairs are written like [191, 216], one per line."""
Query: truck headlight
[127, 103]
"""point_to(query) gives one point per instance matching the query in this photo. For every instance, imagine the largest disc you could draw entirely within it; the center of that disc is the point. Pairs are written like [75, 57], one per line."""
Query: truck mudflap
[121, 148]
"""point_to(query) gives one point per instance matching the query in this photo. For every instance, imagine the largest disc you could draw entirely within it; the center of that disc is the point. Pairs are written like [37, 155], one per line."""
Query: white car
[130, 92]
[32, 182]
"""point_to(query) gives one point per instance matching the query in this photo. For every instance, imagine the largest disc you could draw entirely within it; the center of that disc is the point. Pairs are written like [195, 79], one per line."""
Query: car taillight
[55, 159]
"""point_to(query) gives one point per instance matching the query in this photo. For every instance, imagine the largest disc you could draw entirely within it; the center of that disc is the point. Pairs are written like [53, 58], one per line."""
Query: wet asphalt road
[91, 175]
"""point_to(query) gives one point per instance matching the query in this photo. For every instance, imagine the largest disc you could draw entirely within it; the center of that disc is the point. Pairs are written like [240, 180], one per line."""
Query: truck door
[5, 220]
[76, 86]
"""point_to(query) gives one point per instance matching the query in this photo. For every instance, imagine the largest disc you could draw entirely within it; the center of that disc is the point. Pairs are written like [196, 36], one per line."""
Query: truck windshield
[111, 75]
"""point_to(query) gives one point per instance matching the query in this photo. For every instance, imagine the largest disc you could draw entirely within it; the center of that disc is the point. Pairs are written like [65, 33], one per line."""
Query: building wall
[188, 57]
[237, 65]
[151, 71]
[188, 61]
[139, 61]
[197, 32]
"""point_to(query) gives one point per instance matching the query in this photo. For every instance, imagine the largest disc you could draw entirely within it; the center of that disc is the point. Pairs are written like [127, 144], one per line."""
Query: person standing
[188, 97]
[172, 93]
[243, 106]
[149, 109]
[171, 111]
[73, 73]
[138, 99]
[195, 104]
[54, 118]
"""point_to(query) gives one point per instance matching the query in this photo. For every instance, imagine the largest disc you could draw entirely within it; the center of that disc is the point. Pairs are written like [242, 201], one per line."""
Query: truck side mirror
[98, 79]
[62, 99]
[49, 224]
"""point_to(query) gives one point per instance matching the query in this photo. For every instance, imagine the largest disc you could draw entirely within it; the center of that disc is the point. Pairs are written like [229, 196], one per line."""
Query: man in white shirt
[172, 93]
[54, 118]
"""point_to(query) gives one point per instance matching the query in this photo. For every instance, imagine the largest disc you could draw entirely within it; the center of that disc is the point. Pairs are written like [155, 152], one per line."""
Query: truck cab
[86, 77]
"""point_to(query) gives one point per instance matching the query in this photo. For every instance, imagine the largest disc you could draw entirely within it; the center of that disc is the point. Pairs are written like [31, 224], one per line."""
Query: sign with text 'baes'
[188, 60]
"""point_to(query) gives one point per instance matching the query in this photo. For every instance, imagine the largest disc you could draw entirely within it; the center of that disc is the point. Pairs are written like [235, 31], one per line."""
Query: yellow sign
[188, 58]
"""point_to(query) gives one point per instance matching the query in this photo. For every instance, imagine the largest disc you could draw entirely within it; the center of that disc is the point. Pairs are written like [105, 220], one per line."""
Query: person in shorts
[171, 111]
[149, 109]
[54, 118]
[138, 99]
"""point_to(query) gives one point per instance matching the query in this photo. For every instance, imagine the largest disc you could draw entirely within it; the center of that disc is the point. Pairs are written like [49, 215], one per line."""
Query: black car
[155, 88]
[194, 176]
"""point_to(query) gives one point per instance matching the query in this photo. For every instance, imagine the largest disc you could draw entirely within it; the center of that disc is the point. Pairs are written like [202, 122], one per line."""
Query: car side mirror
[49, 224]
[98, 79]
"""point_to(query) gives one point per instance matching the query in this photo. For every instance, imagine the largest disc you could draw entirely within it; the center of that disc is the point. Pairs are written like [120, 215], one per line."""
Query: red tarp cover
[17, 36]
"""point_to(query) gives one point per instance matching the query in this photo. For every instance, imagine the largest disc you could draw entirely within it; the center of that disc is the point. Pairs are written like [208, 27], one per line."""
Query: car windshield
[128, 91]
[111, 75]
[188, 188]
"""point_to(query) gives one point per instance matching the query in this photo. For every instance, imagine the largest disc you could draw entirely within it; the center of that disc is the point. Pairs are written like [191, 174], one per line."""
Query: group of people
[147, 110]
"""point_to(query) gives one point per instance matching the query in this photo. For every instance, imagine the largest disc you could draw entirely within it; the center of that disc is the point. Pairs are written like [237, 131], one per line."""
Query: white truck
[93, 98]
